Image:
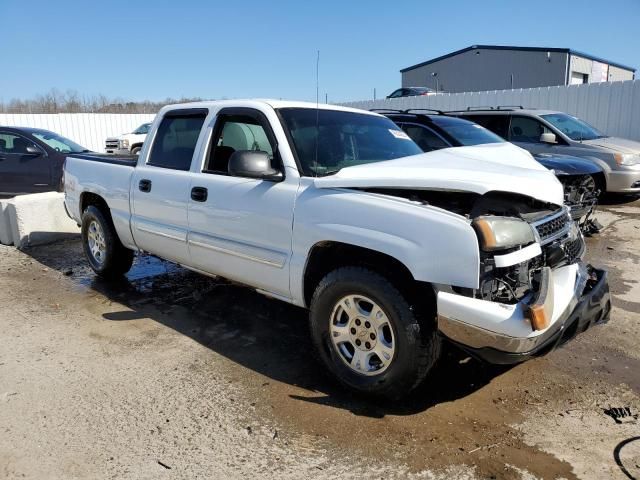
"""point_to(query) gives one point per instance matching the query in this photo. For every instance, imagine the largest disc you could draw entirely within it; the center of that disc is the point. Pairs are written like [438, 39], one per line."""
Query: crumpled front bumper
[503, 334]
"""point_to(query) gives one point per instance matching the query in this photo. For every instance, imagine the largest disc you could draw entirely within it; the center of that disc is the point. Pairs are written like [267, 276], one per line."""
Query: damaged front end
[534, 290]
[581, 196]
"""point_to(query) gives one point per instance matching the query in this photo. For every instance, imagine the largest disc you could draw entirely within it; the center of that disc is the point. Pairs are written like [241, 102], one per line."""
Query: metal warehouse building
[490, 67]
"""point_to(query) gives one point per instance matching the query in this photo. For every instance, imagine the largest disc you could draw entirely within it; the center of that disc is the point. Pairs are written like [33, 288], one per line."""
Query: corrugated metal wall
[88, 129]
[613, 107]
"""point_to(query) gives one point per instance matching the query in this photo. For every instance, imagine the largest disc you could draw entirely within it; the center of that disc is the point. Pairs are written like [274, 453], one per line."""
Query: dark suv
[433, 130]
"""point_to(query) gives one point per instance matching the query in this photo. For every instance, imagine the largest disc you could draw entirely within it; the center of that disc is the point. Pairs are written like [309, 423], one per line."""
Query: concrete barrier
[6, 237]
[35, 220]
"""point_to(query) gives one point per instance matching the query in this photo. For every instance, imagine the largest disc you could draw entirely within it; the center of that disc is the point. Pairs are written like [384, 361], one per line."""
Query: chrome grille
[553, 227]
[112, 144]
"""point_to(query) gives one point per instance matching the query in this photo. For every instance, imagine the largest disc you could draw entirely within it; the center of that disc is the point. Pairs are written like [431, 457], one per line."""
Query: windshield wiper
[330, 172]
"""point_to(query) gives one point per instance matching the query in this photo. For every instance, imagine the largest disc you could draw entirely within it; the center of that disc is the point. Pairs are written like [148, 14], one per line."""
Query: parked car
[411, 92]
[552, 132]
[433, 130]
[31, 160]
[128, 143]
[337, 210]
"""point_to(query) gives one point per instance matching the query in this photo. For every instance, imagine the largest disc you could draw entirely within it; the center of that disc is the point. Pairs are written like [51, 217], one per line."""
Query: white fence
[88, 129]
[613, 108]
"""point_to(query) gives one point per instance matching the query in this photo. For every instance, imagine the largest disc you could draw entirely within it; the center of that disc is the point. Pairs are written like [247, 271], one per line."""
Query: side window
[396, 93]
[176, 140]
[498, 124]
[233, 133]
[526, 129]
[426, 138]
[10, 143]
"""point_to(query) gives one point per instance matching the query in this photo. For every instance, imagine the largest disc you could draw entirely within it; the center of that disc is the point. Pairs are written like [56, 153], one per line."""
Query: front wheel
[136, 150]
[369, 336]
[106, 255]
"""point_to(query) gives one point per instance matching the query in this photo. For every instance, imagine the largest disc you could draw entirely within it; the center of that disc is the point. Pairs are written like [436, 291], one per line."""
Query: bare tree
[71, 101]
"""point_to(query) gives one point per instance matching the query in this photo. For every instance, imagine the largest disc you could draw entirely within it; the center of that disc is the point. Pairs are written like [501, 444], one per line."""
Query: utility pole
[374, 93]
[435, 76]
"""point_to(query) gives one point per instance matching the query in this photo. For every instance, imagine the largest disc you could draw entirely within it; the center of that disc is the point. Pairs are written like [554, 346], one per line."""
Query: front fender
[435, 245]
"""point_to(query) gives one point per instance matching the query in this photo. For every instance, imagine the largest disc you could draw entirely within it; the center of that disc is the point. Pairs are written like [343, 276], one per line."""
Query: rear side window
[498, 124]
[176, 139]
[426, 139]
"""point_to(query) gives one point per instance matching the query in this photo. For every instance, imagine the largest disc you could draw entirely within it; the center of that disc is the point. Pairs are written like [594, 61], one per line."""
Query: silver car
[548, 131]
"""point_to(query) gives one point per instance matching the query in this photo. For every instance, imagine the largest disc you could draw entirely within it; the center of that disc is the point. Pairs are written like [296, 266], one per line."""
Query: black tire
[417, 344]
[135, 150]
[117, 259]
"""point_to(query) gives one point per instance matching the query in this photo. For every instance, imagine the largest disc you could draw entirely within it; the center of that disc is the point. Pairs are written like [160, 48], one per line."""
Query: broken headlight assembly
[502, 233]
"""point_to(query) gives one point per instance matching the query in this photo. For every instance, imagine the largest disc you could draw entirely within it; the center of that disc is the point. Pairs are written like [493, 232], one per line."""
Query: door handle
[144, 185]
[2, 157]
[199, 194]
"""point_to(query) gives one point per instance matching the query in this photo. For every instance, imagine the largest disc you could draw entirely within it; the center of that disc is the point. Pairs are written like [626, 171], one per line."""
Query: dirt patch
[172, 369]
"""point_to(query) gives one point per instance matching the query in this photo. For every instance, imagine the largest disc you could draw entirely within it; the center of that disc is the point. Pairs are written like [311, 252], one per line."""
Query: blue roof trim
[526, 49]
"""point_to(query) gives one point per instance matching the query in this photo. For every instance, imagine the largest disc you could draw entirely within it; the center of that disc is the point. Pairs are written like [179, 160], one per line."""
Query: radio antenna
[315, 162]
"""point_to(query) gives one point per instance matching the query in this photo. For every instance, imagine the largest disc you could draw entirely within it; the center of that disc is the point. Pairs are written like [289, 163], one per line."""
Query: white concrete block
[39, 218]
[6, 237]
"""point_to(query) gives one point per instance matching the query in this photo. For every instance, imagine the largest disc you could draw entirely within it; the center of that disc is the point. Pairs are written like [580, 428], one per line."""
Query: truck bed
[125, 160]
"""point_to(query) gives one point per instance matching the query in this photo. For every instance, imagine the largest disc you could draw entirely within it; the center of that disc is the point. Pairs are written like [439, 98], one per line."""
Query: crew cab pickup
[338, 211]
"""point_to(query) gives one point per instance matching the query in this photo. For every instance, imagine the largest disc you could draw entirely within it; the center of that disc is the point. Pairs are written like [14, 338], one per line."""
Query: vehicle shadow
[264, 335]
[617, 199]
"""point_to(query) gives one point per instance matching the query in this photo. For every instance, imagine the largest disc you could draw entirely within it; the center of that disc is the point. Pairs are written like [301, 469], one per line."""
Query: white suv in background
[128, 143]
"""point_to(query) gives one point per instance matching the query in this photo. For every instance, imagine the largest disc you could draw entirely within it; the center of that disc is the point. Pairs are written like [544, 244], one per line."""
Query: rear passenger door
[161, 187]
[241, 228]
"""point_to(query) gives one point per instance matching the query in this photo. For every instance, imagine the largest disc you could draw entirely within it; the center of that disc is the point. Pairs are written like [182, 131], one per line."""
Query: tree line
[71, 101]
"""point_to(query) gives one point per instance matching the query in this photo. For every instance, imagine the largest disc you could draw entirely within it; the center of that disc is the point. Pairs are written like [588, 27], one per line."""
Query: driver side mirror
[252, 164]
[33, 150]
[548, 137]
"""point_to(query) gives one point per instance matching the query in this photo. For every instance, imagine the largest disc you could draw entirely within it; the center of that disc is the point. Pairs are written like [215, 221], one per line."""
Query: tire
[412, 340]
[105, 254]
[136, 150]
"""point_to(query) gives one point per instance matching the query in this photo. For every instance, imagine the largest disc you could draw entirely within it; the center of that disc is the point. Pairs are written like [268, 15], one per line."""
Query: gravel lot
[169, 374]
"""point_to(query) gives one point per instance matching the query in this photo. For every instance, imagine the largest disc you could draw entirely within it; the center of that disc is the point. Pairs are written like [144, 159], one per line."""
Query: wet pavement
[168, 373]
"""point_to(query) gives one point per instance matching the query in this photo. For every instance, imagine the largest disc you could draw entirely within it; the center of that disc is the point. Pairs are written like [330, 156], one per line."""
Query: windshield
[573, 127]
[327, 140]
[61, 144]
[142, 129]
[467, 133]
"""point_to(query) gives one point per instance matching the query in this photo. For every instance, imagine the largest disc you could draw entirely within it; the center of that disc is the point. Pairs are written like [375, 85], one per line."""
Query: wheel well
[88, 199]
[135, 145]
[325, 257]
[601, 182]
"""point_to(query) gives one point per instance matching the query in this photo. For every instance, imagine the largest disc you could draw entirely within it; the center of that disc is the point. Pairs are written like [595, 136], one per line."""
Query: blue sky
[158, 49]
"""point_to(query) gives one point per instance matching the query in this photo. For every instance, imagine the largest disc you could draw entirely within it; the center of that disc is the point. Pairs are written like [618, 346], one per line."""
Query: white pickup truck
[336, 210]
[128, 143]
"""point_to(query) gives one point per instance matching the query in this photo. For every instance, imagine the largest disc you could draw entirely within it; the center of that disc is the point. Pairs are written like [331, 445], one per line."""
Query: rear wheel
[369, 336]
[106, 255]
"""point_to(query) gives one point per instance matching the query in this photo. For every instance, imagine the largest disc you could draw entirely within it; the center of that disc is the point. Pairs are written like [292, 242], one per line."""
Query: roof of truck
[265, 101]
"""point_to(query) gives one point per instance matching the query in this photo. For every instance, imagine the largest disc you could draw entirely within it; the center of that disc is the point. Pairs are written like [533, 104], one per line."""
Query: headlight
[124, 143]
[626, 158]
[499, 233]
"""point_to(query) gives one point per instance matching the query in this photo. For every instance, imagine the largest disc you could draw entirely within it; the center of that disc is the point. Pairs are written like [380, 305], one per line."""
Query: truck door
[24, 166]
[160, 187]
[241, 228]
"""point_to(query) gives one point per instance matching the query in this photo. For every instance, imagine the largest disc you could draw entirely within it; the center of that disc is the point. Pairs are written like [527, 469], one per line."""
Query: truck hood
[621, 145]
[479, 169]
